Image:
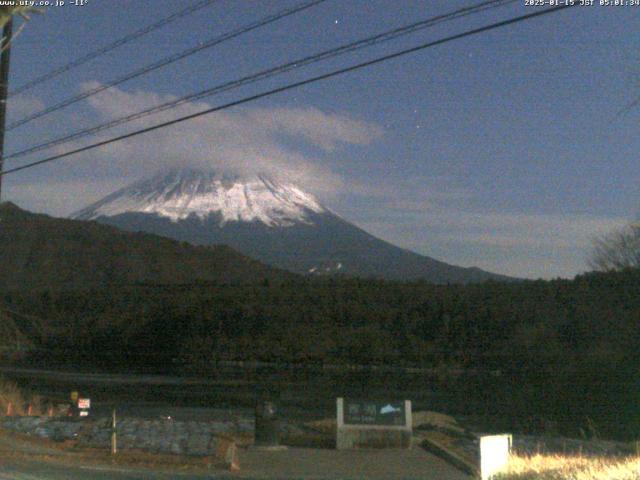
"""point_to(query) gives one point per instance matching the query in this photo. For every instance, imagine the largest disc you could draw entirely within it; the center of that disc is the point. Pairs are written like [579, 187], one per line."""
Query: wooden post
[29, 410]
[227, 453]
[10, 409]
[114, 446]
[232, 458]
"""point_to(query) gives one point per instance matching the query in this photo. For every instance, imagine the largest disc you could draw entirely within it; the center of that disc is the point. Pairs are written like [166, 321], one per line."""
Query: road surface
[32, 470]
[24, 459]
[259, 465]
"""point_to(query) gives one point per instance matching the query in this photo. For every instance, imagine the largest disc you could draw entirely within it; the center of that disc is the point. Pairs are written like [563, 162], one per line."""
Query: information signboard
[373, 423]
[364, 412]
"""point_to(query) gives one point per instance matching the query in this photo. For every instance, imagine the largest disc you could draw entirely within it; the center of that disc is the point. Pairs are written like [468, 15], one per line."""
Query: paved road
[290, 464]
[31, 470]
[300, 463]
[24, 459]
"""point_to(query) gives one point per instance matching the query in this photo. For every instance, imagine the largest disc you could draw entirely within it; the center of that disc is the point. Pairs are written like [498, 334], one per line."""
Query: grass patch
[10, 393]
[560, 467]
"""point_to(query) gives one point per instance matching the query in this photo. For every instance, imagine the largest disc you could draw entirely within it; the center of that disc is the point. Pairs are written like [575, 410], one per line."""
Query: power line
[112, 46]
[167, 61]
[291, 86]
[264, 74]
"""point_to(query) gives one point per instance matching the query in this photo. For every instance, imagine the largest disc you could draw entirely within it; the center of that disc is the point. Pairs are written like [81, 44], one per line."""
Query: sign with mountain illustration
[363, 412]
[275, 222]
[367, 423]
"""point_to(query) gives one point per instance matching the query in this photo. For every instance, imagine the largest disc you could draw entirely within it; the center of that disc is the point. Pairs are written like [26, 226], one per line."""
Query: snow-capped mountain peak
[183, 193]
[269, 220]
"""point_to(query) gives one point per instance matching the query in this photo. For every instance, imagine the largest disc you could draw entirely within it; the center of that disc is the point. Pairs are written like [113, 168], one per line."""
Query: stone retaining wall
[157, 436]
[201, 438]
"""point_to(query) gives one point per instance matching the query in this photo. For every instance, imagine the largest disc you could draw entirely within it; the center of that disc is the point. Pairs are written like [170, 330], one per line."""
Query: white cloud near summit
[294, 144]
[324, 130]
[241, 141]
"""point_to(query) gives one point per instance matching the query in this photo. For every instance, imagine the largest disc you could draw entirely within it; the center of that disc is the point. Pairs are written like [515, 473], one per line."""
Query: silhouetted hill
[41, 251]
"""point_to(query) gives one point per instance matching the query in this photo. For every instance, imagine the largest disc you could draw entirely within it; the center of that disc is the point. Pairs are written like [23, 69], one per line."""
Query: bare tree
[7, 13]
[618, 250]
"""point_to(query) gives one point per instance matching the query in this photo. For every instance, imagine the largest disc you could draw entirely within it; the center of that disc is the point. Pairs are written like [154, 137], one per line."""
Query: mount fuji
[272, 221]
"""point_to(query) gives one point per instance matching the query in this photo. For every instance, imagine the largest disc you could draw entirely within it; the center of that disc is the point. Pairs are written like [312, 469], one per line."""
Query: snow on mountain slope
[180, 194]
[271, 221]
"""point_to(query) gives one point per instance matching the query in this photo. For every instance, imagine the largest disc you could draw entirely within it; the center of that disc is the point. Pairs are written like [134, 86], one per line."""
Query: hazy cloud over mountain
[235, 141]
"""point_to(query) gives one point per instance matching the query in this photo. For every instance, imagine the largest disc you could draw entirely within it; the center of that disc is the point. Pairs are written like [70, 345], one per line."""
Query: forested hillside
[39, 251]
[564, 351]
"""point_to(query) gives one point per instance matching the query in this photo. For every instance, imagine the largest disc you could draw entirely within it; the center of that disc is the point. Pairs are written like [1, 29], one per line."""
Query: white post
[494, 454]
[114, 447]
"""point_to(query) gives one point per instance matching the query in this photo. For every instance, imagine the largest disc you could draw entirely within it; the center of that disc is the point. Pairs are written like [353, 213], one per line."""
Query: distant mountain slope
[274, 222]
[41, 251]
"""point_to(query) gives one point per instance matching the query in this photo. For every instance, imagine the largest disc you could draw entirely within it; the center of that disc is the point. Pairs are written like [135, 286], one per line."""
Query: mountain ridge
[286, 228]
[39, 251]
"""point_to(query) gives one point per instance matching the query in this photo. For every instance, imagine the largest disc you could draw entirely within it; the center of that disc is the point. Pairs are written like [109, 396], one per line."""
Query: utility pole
[7, 33]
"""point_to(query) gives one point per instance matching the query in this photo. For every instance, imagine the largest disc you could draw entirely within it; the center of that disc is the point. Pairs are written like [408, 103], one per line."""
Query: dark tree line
[565, 350]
